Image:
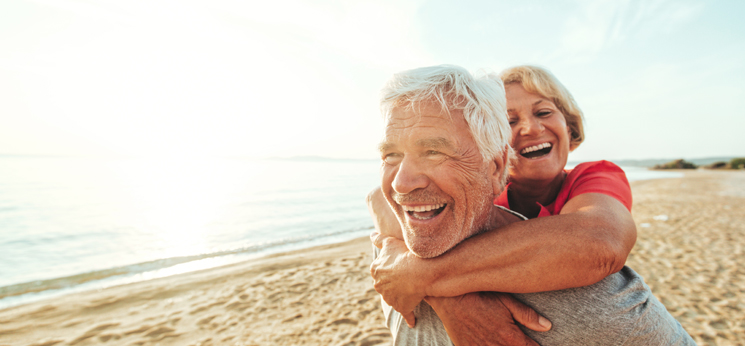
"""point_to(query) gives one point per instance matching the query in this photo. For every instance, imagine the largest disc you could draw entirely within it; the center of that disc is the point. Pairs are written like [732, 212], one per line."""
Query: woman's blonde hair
[540, 81]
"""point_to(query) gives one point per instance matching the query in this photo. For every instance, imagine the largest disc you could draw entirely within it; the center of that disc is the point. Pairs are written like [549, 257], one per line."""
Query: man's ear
[498, 172]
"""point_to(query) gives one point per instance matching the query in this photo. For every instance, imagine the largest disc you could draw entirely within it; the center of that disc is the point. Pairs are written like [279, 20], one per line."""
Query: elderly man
[445, 153]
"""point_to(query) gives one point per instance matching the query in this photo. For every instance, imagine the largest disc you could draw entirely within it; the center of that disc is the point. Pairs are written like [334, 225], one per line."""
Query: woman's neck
[524, 194]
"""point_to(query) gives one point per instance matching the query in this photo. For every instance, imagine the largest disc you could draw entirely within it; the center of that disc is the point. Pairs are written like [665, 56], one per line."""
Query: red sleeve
[599, 177]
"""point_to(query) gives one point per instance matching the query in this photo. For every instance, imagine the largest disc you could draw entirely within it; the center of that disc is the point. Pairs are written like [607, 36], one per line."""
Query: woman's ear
[572, 144]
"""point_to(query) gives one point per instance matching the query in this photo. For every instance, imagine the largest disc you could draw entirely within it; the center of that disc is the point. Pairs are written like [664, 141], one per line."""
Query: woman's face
[540, 135]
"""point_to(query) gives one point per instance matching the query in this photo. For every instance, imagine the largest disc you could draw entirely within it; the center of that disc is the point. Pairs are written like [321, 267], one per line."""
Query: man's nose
[409, 177]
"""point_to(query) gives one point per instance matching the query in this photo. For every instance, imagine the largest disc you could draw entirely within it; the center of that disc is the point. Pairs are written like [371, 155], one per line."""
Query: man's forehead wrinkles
[397, 124]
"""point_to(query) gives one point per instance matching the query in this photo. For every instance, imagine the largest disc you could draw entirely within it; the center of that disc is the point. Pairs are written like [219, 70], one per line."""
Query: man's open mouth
[536, 151]
[424, 212]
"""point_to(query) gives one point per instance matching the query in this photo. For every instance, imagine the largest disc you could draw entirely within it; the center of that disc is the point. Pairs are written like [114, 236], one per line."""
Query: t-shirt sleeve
[602, 177]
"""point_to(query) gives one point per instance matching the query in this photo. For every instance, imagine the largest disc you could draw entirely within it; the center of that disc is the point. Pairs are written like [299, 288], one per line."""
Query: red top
[598, 177]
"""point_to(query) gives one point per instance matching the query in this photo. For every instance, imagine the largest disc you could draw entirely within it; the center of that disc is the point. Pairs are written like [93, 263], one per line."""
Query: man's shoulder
[511, 212]
[615, 308]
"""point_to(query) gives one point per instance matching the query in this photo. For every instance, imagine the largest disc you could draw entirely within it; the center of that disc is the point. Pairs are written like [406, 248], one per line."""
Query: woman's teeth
[535, 148]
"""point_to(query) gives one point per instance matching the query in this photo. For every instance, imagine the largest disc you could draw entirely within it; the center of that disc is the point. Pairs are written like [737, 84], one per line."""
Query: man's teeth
[423, 208]
[535, 148]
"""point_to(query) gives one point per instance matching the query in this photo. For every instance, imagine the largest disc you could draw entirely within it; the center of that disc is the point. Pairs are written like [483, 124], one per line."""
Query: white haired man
[445, 153]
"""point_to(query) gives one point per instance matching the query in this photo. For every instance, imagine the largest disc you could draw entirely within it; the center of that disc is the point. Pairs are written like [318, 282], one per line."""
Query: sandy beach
[691, 231]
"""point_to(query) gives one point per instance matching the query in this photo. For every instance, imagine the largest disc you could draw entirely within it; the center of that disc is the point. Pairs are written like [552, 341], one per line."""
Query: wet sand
[691, 236]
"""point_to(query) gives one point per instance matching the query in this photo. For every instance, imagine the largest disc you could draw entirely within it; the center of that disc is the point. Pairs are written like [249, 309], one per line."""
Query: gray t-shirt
[618, 310]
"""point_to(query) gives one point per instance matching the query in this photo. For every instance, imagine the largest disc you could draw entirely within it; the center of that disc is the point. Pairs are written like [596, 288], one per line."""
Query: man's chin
[427, 248]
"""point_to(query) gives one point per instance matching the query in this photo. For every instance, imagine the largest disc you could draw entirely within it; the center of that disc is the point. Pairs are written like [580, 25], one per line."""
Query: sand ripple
[693, 260]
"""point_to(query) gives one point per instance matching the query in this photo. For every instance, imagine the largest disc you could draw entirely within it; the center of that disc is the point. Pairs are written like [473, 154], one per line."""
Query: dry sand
[692, 254]
[324, 296]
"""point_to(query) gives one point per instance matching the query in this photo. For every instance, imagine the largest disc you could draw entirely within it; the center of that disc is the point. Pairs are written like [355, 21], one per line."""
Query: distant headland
[721, 162]
[733, 163]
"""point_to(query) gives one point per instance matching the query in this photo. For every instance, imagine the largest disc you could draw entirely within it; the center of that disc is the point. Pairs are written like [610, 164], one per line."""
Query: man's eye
[392, 159]
[435, 155]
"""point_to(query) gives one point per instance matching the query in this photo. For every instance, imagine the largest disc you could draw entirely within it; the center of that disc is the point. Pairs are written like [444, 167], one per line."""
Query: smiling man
[440, 180]
[445, 152]
[436, 179]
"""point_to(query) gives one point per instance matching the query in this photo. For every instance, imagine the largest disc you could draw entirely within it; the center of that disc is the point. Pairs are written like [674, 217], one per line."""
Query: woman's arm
[489, 314]
[589, 240]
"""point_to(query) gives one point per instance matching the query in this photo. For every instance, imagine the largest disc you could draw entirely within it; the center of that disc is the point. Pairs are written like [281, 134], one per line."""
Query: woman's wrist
[432, 269]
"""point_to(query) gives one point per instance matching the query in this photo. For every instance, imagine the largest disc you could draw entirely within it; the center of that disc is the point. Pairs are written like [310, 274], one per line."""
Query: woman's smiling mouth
[536, 151]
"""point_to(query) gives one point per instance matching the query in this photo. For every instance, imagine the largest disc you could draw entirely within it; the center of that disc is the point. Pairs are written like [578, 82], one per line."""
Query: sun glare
[177, 200]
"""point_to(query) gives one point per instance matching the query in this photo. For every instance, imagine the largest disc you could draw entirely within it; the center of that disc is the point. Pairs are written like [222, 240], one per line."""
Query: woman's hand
[386, 223]
[399, 277]
[389, 269]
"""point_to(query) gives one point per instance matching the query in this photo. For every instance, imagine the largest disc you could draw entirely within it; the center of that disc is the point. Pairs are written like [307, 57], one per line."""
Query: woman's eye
[513, 122]
[543, 113]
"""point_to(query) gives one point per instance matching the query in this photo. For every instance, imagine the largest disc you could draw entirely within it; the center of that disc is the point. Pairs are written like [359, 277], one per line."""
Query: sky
[182, 78]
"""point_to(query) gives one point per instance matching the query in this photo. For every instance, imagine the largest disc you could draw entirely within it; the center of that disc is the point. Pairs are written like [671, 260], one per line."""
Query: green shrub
[676, 164]
[717, 165]
[738, 163]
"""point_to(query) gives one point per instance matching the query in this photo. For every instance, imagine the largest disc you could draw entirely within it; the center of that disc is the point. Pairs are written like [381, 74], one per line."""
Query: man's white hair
[482, 101]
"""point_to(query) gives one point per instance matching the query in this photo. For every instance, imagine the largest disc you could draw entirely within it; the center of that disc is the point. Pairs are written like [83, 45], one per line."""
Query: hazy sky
[655, 78]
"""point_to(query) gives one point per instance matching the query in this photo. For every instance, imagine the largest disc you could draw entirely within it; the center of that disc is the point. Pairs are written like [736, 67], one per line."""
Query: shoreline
[52, 287]
[323, 295]
[39, 290]
[260, 290]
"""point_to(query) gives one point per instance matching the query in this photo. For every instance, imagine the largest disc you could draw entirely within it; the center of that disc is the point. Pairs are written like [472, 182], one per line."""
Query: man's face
[434, 178]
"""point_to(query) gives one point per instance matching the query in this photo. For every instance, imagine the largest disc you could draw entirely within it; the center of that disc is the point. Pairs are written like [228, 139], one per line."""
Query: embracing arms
[481, 318]
[589, 240]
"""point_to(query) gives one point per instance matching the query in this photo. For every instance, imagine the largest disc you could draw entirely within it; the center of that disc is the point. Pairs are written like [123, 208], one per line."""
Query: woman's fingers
[410, 319]
[376, 239]
[393, 277]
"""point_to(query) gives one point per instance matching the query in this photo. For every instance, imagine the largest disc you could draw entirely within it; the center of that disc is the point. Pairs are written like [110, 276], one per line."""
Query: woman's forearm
[577, 248]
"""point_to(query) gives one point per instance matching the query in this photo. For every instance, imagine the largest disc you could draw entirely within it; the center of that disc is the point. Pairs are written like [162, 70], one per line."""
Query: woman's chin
[536, 170]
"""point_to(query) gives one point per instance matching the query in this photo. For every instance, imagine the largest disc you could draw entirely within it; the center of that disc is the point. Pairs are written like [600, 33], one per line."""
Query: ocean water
[73, 224]
[70, 224]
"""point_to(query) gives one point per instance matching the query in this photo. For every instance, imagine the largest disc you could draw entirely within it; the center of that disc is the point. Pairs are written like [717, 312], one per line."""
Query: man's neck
[503, 217]
[499, 218]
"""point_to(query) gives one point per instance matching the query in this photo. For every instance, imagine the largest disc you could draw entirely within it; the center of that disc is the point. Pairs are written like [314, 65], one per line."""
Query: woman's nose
[530, 126]
[409, 177]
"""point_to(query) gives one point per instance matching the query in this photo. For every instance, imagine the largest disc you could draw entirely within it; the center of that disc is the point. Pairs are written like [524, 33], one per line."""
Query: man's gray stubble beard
[454, 238]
